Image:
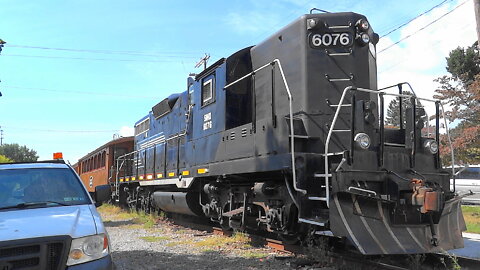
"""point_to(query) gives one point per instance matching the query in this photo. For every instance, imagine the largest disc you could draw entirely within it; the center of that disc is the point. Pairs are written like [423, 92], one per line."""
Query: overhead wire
[94, 59]
[414, 18]
[136, 53]
[61, 130]
[423, 28]
[438, 41]
[78, 92]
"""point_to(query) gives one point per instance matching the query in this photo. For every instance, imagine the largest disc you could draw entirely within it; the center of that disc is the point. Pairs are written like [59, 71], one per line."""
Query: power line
[436, 20]
[94, 59]
[136, 53]
[63, 130]
[79, 92]
[438, 41]
[411, 20]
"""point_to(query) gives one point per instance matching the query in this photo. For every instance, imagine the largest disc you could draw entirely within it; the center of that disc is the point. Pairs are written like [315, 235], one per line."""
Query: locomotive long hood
[368, 228]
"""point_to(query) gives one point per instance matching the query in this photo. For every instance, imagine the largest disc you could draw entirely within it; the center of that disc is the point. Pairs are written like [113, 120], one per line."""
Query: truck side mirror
[102, 194]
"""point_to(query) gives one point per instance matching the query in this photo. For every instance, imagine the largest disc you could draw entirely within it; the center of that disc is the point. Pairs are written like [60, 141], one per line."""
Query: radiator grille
[40, 253]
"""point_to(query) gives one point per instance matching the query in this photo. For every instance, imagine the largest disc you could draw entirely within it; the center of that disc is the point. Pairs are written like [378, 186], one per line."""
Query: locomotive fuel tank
[177, 202]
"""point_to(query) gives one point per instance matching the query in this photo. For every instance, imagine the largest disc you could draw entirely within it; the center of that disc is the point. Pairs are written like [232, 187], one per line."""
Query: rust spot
[432, 201]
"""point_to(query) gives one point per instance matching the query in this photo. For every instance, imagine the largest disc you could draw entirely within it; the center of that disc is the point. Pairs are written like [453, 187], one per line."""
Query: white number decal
[327, 39]
[317, 40]
[330, 39]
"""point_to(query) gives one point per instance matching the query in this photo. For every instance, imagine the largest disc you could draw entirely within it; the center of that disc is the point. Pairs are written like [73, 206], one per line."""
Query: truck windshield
[469, 173]
[45, 187]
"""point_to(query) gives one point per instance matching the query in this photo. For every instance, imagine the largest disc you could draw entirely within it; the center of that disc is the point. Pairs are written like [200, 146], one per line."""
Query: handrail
[377, 92]
[183, 133]
[290, 98]
[290, 105]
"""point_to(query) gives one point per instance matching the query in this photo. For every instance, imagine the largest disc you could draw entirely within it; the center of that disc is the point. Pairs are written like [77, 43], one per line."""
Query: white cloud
[420, 58]
[126, 131]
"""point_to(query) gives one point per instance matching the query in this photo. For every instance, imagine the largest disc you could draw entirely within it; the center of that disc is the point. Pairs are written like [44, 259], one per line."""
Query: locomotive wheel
[145, 205]
[132, 201]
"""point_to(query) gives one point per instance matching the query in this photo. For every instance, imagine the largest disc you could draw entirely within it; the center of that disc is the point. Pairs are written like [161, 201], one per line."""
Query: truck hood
[75, 221]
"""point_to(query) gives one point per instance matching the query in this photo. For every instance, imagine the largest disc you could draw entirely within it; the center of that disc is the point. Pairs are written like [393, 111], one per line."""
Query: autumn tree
[4, 159]
[460, 91]
[18, 153]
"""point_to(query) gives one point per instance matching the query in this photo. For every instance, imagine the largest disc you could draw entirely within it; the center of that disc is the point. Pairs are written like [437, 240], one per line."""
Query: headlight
[87, 249]
[431, 146]
[363, 24]
[363, 140]
[311, 23]
[363, 38]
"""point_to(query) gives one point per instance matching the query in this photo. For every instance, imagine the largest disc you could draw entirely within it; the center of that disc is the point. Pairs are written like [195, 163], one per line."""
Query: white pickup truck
[468, 179]
[49, 221]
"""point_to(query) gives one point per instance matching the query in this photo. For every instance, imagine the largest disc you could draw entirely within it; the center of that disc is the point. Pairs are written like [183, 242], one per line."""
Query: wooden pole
[477, 17]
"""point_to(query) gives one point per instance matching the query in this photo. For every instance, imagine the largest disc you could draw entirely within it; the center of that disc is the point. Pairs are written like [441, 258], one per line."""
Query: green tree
[460, 90]
[392, 118]
[18, 153]
[4, 159]
[393, 110]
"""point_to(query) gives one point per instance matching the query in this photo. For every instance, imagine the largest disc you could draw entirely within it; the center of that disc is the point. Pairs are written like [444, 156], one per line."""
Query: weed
[254, 254]
[471, 214]
[177, 243]
[416, 261]
[238, 240]
[154, 238]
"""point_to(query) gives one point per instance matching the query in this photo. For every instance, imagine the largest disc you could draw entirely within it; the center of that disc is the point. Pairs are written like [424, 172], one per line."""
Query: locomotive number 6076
[330, 40]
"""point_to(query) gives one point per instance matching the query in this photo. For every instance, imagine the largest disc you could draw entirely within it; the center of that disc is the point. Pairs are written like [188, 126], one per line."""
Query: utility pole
[476, 7]
[1, 136]
[2, 42]
[203, 61]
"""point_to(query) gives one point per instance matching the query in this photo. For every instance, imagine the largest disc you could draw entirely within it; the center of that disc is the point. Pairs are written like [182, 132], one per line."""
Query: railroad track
[342, 259]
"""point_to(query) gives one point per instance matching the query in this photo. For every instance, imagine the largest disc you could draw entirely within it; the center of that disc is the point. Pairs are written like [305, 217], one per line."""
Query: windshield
[43, 187]
[469, 173]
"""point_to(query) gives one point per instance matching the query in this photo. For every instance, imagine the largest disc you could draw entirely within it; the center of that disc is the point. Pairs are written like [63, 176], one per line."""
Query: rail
[382, 92]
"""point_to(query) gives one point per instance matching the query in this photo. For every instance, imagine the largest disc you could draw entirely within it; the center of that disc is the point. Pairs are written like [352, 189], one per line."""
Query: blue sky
[139, 52]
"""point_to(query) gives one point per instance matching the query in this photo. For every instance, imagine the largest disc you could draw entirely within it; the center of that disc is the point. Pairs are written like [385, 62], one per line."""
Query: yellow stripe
[159, 175]
[133, 178]
[127, 179]
[170, 174]
[185, 173]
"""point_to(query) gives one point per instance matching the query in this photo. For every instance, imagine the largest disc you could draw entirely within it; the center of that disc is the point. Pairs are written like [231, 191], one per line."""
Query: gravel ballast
[169, 246]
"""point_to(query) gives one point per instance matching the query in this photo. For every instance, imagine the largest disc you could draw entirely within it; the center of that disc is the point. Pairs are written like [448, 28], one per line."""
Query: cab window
[208, 93]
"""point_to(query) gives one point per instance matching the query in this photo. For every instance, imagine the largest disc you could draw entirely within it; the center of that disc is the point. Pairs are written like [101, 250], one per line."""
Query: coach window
[103, 159]
[208, 93]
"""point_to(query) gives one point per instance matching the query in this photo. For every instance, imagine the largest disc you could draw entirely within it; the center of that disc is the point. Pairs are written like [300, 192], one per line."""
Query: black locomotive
[288, 136]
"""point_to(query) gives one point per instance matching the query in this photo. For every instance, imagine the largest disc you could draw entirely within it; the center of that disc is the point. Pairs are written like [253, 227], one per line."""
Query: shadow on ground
[211, 260]
[118, 223]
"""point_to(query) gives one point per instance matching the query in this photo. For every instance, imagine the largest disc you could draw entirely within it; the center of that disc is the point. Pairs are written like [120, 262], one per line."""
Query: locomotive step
[318, 199]
[315, 221]
[233, 212]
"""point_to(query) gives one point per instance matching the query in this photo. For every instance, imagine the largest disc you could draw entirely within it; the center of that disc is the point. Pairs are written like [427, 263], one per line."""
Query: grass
[114, 213]
[238, 240]
[254, 254]
[154, 238]
[472, 218]
[177, 243]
